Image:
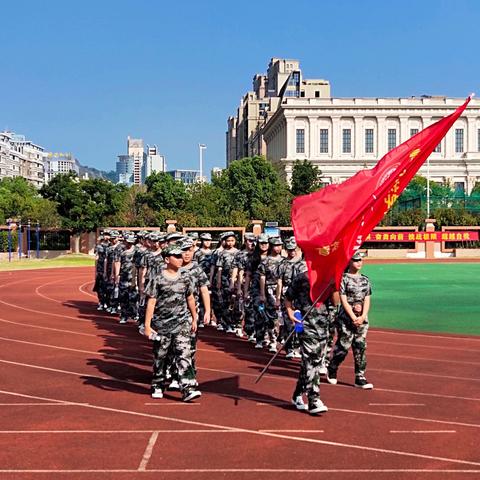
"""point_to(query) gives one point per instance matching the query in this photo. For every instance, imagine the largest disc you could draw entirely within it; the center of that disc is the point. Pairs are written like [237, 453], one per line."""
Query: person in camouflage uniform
[251, 288]
[203, 256]
[237, 277]
[100, 281]
[355, 291]
[170, 319]
[140, 250]
[286, 271]
[224, 267]
[112, 253]
[216, 294]
[312, 339]
[126, 281]
[268, 308]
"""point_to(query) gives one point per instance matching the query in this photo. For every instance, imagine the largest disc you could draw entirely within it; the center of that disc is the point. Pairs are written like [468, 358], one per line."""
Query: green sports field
[430, 297]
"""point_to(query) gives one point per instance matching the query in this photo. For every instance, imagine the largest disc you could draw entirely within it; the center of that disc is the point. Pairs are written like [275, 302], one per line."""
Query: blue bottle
[299, 324]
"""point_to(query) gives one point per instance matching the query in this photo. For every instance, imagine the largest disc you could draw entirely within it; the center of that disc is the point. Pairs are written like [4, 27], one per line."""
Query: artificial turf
[429, 297]
[71, 260]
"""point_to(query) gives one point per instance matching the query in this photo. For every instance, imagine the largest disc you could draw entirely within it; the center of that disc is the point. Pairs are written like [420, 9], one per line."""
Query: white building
[60, 163]
[344, 135]
[153, 162]
[21, 157]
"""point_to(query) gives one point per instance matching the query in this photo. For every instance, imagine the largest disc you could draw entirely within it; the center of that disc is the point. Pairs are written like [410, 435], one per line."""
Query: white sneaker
[259, 345]
[252, 338]
[323, 370]
[213, 324]
[100, 307]
[157, 392]
[220, 328]
[123, 320]
[230, 330]
[141, 329]
[289, 355]
[239, 332]
[299, 403]
[273, 347]
[201, 325]
[174, 385]
[297, 354]
[317, 406]
[192, 394]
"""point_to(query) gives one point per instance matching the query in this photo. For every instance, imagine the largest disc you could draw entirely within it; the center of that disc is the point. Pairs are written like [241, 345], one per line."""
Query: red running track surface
[75, 403]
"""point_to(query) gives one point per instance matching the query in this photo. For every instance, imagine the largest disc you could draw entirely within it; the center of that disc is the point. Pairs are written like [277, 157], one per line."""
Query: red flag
[332, 223]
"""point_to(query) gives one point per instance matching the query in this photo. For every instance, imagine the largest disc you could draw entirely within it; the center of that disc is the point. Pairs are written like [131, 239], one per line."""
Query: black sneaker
[332, 376]
[316, 406]
[362, 383]
[190, 395]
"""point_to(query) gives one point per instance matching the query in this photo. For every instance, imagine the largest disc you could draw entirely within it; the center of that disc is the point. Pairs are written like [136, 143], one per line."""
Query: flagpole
[428, 187]
[310, 308]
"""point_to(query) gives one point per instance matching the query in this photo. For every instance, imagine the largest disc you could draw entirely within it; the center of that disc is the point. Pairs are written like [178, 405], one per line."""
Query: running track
[75, 403]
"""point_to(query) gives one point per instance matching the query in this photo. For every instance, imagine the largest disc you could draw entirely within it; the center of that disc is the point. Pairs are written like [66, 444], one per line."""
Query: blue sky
[79, 76]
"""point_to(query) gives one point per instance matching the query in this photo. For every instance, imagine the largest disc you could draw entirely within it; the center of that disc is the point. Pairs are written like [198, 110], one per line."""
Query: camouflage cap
[186, 244]
[153, 237]
[105, 233]
[262, 238]
[357, 256]
[290, 244]
[114, 234]
[174, 236]
[250, 236]
[171, 250]
[275, 241]
[225, 235]
[193, 235]
[162, 237]
[130, 239]
[205, 236]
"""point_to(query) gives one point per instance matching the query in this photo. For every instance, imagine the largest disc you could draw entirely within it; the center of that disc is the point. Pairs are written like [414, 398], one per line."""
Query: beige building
[344, 135]
[286, 118]
[21, 157]
[282, 80]
[136, 151]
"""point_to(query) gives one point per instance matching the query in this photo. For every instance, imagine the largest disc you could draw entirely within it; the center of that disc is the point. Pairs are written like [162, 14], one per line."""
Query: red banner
[390, 236]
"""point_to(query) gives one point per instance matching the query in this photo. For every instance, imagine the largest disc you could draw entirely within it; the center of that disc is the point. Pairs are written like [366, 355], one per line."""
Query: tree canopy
[306, 178]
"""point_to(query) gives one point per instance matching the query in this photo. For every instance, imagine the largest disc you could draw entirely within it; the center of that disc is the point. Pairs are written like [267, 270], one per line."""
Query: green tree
[164, 193]
[305, 178]
[252, 185]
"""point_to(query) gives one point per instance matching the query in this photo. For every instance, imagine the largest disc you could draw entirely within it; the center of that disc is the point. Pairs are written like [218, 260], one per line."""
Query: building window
[392, 138]
[459, 140]
[478, 140]
[413, 131]
[369, 140]
[347, 140]
[438, 148]
[300, 140]
[324, 140]
[317, 94]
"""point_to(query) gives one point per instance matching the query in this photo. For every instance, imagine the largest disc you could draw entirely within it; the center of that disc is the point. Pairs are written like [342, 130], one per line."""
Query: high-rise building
[139, 162]
[60, 163]
[154, 162]
[283, 80]
[21, 157]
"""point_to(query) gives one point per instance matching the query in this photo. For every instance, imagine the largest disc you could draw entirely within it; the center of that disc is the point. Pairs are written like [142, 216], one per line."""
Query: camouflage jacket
[128, 275]
[269, 268]
[355, 288]
[197, 277]
[286, 271]
[225, 262]
[171, 313]
[101, 253]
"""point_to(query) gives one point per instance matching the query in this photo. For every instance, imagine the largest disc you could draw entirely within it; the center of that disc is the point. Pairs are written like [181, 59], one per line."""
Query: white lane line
[2, 432]
[176, 404]
[256, 432]
[418, 345]
[424, 359]
[33, 404]
[293, 431]
[255, 470]
[37, 289]
[86, 293]
[423, 431]
[425, 335]
[148, 452]
[268, 403]
[422, 374]
[397, 404]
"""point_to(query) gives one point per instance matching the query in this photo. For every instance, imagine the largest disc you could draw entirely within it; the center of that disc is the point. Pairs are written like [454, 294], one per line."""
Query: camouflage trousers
[127, 298]
[350, 336]
[331, 329]
[249, 317]
[100, 288]
[266, 318]
[179, 346]
[217, 305]
[112, 300]
[313, 340]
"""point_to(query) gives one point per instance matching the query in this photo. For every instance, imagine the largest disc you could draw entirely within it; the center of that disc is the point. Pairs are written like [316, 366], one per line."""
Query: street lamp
[201, 148]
